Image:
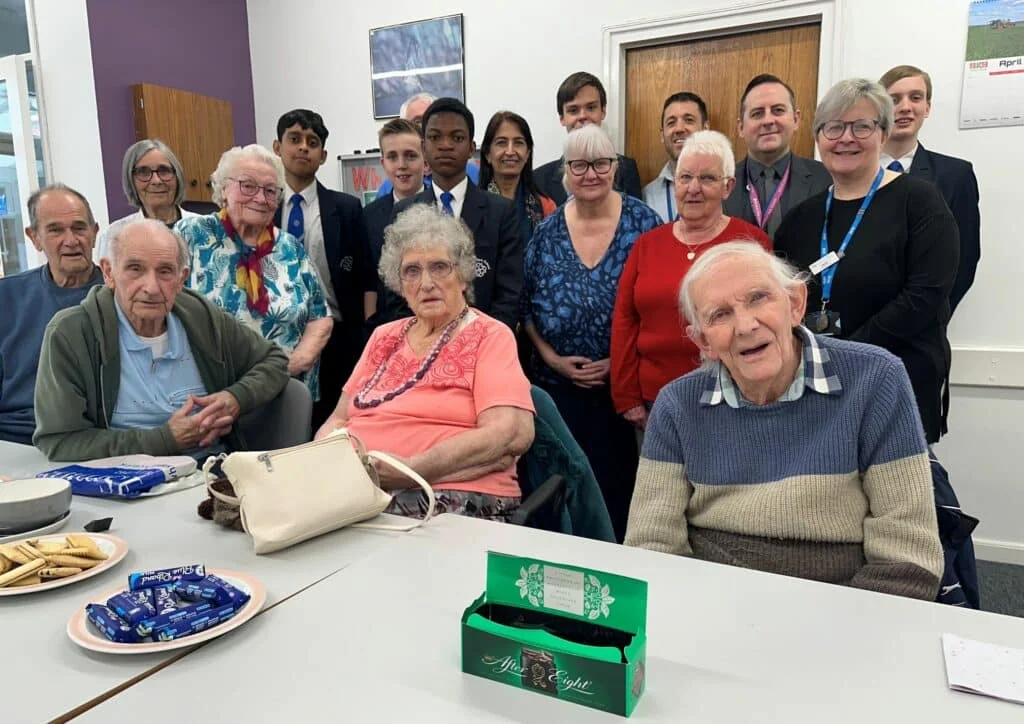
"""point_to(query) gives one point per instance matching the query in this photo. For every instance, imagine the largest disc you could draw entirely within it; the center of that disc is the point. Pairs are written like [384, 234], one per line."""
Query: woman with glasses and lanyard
[881, 247]
[649, 346]
[153, 183]
[256, 272]
[571, 273]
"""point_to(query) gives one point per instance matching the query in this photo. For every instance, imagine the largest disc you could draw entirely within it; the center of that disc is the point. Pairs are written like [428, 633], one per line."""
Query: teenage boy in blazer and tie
[772, 179]
[330, 225]
[911, 92]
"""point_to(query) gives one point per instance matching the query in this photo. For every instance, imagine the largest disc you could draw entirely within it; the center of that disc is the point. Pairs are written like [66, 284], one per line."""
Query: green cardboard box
[530, 657]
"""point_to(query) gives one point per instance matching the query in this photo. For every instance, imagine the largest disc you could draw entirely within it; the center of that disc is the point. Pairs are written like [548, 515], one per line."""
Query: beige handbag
[291, 495]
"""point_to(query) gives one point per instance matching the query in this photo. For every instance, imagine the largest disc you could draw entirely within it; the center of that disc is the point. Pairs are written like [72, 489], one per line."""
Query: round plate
[115, 548]
[83, 633]
[48, 528]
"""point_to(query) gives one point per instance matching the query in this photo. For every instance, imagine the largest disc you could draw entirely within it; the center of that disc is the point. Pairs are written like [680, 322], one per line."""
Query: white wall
[70, 121]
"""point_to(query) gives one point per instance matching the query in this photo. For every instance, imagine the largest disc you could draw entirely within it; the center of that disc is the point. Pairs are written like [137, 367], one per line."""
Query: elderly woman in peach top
[442, 390]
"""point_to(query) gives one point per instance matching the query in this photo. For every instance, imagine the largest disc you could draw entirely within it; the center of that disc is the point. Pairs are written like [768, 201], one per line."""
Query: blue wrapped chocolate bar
[146, 627]
[163, 576]
[224, 591]
[164, 600]
[114, 628]
[194, 625]
[192, 591]
[132, 606]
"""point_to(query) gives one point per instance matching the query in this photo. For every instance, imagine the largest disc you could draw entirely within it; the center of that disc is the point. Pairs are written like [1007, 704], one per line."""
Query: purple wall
[194, 45]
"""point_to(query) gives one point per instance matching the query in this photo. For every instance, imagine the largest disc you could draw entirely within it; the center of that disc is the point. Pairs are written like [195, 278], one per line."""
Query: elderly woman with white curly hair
[787, 452]
[253, 270]
[443, 390]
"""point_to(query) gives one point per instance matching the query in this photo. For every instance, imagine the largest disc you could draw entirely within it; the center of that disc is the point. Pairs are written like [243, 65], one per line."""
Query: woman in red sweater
[649, 345]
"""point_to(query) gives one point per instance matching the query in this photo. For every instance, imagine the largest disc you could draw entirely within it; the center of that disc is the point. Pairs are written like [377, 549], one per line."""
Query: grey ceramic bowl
[32, 503]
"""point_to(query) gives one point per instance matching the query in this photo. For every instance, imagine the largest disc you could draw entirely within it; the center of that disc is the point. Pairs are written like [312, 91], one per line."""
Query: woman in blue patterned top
[571, 268]
[253, 270]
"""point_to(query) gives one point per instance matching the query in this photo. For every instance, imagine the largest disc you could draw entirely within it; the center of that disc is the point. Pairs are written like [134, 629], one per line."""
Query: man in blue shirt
[62, 227]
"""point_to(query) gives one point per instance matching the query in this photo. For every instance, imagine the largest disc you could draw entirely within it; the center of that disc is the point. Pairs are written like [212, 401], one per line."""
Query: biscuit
[21, 571]
[71, 561]
[48, 573]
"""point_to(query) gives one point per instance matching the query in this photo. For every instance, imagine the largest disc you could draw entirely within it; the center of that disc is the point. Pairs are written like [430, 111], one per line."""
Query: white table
[164, 531]
[379, 641]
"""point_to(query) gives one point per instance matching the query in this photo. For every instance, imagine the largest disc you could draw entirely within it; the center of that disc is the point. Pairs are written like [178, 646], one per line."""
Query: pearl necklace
[362, 402]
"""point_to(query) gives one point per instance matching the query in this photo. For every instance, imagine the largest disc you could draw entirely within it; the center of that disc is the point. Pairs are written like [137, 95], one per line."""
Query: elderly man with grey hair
[154, 183]
[787, 452]
[145, 366]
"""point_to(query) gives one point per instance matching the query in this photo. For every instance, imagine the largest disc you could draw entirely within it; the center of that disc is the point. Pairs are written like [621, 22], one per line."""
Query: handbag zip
[266, 457]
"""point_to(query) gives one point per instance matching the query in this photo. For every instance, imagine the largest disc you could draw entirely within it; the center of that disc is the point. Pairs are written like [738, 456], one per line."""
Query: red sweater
[649, 343]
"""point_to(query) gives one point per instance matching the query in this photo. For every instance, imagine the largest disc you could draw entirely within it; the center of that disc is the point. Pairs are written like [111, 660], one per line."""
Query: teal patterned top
[296, 296]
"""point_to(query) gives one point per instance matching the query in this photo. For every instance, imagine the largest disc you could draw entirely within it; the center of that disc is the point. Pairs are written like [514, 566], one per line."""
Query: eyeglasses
[579, 167]
[861, 128]
[248, 188]
[436, 269]
[145, 173]
[705, 179]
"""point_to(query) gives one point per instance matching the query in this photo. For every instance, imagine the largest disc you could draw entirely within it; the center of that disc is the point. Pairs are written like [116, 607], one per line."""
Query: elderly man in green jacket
[143, 365]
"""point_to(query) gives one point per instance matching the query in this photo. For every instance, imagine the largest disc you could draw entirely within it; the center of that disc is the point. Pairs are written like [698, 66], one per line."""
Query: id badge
[829, 260]
[826, 323]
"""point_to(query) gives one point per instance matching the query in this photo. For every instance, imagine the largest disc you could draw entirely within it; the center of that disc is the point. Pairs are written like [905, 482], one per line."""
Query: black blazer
[348, 254]
[549, 179]
[378, 215]
[492, 220]
[959, 188]
[807, 177]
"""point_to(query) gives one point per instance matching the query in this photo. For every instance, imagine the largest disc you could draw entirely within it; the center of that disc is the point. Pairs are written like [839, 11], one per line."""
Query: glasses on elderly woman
[578, 167]
[436, 270]
[248, 188]
[861, 128]
[705, 179]
[145, 173]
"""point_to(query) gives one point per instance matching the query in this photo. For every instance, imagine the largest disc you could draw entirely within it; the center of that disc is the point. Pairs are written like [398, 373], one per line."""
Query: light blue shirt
[660, 193]
[151, 388]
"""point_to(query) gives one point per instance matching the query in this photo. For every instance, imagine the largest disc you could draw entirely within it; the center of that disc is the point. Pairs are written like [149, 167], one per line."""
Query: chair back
[543, 507]
[283, 422]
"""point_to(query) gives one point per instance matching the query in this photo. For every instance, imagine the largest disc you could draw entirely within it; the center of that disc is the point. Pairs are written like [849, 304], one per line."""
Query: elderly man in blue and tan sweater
[788, 452]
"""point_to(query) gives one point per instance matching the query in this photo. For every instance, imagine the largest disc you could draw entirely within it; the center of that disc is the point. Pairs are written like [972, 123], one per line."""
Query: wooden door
[717, 69]
[197, 128]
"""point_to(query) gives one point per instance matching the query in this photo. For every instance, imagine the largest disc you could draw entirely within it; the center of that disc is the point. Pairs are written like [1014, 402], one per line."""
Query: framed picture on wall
[425, 56]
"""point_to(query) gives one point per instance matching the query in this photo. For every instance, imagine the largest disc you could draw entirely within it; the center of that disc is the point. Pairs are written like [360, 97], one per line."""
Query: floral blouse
[296, 295]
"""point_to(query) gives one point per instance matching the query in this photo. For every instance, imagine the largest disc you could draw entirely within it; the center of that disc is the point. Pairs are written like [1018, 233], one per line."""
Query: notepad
[986, 669]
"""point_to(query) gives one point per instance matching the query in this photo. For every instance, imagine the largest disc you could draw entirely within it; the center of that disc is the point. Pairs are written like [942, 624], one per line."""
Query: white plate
[115, 548]
[83, 633]
[48, 528]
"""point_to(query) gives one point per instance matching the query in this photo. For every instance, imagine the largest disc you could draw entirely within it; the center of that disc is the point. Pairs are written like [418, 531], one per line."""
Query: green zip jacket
[80, 374]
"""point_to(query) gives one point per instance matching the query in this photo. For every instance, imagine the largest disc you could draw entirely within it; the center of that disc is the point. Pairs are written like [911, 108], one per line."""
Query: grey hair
[589, 142]
[429, 98]
[787, 275]
[230, 158]
[134, 154]
[154, 226]
[710, 143]
[422, 226]
[34, 199]
[844, 95]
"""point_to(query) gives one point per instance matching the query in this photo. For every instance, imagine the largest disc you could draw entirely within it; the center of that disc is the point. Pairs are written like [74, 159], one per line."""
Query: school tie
[446, 203]
[895, 166]
[296, 225]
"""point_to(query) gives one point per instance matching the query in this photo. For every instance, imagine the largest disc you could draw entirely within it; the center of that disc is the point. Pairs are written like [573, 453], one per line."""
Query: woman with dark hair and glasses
[506, 168]
[881, 246]
[154, 183]
[571, 273]
[256, 272]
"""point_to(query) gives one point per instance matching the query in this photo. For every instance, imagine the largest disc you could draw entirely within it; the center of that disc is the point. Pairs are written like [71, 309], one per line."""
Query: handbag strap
[416, 478]
[209, 479]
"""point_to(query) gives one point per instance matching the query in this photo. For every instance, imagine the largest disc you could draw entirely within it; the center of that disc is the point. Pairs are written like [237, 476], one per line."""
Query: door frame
[739, 17]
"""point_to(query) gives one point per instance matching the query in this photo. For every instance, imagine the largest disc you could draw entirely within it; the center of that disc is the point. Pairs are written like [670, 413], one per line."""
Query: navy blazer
[807, 177]
[494, 224]
[959, 187]
[378, 215]
[549, 179]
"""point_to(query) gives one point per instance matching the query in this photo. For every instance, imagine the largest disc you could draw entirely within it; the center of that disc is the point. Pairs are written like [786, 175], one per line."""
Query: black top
[807, 177]
[891, 289]
[548, 179]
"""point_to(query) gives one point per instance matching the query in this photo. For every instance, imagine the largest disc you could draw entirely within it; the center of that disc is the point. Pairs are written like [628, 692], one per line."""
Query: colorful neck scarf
[249, 272]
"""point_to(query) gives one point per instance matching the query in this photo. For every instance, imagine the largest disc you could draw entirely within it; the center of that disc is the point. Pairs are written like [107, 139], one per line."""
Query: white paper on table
[986, 669]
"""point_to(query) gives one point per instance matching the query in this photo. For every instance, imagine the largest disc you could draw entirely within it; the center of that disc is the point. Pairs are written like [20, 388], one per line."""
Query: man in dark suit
[581, 99]
[448, 142]
[330, 225]
[772, 179]
[911, 92]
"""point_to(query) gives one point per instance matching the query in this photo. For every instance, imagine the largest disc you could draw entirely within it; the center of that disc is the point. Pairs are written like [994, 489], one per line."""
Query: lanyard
[828, 274]
[755, 202]
[669, 188]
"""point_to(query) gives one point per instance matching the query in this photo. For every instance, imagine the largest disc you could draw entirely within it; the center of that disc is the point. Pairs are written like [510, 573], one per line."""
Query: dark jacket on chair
[549, 179]
[807, 177]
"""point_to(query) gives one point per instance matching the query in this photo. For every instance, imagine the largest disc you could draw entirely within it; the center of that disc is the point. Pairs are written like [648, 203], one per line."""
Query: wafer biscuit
[21, 571]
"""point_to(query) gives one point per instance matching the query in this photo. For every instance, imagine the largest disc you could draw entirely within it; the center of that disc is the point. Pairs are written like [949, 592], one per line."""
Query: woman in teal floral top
[253, 270]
